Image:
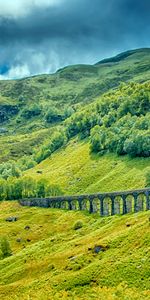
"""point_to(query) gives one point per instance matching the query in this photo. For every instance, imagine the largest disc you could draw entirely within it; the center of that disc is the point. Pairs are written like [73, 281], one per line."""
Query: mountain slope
[23, 103]
[77, 171]
[105, 259]
[84, 129]
[114, 127]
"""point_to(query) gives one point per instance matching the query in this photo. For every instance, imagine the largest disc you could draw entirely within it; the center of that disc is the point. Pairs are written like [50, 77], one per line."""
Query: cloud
[19, 8]
[16, 72]
[41, 36]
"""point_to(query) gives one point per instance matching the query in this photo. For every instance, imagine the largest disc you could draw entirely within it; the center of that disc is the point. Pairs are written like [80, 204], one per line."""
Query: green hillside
[107, 258]
[96, 119]
[78, 172]
[84, 129]
[24, 102]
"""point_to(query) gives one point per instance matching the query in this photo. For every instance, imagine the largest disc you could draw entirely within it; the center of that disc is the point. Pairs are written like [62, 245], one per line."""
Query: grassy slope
[76, 171]
[59, 262]
[43, 268]
[73, 86]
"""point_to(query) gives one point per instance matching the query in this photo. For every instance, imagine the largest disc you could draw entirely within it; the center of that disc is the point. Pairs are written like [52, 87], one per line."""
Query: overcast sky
[41, 36]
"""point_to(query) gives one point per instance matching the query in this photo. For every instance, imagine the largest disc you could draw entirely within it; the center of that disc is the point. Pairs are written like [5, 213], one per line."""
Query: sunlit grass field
[77, 171]
[52, 260]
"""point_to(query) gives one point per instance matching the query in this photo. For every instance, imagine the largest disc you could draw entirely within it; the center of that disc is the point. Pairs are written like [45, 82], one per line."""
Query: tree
[138, 144]
[15, 172]
[5, 249]
[28, 187]
[58, 140]
[53, 190]
[98, 140]
[41, 188]
[9, 169]
[17, 188]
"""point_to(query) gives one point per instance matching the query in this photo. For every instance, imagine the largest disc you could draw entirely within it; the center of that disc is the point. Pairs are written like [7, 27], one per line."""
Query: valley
[83, 130]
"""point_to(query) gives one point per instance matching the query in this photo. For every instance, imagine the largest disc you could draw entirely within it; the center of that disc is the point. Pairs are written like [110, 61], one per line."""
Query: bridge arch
[96, 205]
[75, 204]
[107, 206]
[85, 204]
[64, 204]
[118, 205]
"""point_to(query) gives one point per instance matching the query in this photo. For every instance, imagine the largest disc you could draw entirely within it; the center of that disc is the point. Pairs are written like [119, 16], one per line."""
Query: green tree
[53, 190]
[17, 188]
[5, 249]
[28, 187]
[58, 140]
[41, 188]
[138, 144]
[99, 139]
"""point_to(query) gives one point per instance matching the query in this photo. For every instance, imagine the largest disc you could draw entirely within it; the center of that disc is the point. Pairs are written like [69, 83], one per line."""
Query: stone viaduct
[106, 204]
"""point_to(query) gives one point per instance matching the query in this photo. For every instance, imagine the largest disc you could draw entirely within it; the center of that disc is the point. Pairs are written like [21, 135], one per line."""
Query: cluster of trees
[129, 135]
[81, 123]
[9, 169]
[119, 122]
[27, 187]
[57, 140]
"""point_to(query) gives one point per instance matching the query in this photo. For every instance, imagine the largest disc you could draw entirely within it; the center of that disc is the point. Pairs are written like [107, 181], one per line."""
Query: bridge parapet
[105, 204]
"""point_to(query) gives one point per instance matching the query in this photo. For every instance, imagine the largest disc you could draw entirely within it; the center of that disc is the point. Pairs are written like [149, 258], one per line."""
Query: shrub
[77, 225]
[32, 111]
[5, 249]
[53, 115]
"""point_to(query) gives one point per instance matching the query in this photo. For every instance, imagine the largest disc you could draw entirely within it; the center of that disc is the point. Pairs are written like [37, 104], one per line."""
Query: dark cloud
[76, 31]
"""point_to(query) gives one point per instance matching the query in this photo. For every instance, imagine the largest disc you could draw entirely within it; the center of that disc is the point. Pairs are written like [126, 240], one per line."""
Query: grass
[76, 171]
[54, 253]
[72, 87]
[59, 262]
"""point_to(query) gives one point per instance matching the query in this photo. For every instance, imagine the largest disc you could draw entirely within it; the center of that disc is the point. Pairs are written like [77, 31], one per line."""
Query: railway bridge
[106, 204]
